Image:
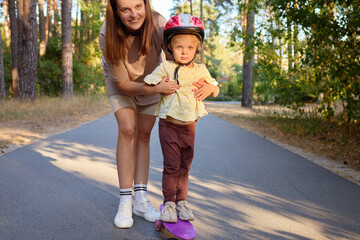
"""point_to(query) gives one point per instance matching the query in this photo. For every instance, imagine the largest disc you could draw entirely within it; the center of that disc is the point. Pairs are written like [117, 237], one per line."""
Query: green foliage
[88, 79]
[7, 69]
[331, 53]
[49, 78]
[49, 69]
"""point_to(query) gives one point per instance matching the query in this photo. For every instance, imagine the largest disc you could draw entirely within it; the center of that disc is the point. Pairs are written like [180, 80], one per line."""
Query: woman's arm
[204, 90]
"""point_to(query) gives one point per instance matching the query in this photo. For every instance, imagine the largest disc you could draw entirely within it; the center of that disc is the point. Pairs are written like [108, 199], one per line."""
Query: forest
[292, 53]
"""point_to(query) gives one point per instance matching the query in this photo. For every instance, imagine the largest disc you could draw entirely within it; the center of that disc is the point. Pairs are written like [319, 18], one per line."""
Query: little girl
[179, 112]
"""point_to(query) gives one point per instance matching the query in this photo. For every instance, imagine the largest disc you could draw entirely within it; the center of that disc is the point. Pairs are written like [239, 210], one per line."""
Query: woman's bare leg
[145, 123]
[125, 146]
[142, 206]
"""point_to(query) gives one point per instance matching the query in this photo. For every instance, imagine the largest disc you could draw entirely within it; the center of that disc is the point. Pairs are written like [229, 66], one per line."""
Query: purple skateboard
[181, 229]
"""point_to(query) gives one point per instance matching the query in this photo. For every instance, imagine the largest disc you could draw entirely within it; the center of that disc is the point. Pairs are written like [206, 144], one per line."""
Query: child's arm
[156, 82]
[164, 87]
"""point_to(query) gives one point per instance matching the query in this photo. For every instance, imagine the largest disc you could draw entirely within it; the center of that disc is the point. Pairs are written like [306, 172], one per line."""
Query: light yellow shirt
[180, 105]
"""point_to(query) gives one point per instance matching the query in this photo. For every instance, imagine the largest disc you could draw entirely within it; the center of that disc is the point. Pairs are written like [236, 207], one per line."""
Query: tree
[2, 80]
[247, 91]
[56, 18]
[48, 18]
[28, 48]
[330, 52]
[67, 61]
[14, 48]
[42, 28]
[6, 21]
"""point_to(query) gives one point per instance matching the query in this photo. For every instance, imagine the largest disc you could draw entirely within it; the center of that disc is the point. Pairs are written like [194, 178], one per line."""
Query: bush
[86, 77]
[49, 78]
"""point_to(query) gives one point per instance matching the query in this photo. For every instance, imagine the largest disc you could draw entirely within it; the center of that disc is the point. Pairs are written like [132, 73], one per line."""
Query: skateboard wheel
[159, 225]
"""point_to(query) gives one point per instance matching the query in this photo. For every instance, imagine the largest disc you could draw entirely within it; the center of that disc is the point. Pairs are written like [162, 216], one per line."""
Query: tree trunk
[42, 37]
[14, 28]
[56, 16]
[280, 48]
[247, 90]
[67, 64]
[273, 37]
[296, 41]
[28, 52]
[76, 38]
[6, 22]
[83, 30]
[290, 48]
[48, 20]
[2, 80]
[296, 46]
[191, 8]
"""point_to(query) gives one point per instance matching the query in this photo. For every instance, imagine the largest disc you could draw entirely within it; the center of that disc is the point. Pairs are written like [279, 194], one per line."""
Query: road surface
[242, 186]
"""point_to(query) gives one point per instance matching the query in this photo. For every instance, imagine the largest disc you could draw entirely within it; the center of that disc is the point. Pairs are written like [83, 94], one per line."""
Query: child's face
[184, 48]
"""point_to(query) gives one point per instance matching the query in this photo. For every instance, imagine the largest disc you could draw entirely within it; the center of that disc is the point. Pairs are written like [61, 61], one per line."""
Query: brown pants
[177, 144]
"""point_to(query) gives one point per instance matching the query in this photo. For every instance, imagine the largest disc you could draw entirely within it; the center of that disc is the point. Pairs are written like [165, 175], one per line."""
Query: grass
[23, 122]
[309, 132]
[340, 142]
[46, 108]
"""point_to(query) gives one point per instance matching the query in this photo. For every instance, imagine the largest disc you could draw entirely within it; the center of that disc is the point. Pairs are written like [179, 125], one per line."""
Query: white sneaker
[184, 212]
[168, 213]
[146, 210]
[123, 218]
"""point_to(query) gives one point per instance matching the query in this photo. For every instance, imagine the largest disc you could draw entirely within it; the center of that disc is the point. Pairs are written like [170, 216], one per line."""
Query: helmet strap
[176, 75]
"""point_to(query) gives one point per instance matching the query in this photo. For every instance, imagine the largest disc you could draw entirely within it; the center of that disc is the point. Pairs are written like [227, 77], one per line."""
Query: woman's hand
[204, 89]
[166, 87]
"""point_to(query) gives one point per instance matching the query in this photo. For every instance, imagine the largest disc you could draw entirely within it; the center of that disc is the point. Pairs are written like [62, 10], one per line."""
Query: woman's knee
[126, 123]
[145, 126]
[127, 132]
[144, 135]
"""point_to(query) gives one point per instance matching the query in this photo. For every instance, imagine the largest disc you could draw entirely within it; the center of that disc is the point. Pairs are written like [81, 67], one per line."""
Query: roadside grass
[22, 122]
[52, 109]
[340, 143]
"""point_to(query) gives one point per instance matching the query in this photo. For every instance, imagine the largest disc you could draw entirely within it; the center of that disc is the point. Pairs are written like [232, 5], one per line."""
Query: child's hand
[166, 87]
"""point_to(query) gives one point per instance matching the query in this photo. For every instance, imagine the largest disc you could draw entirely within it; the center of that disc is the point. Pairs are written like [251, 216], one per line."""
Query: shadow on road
[241, 187]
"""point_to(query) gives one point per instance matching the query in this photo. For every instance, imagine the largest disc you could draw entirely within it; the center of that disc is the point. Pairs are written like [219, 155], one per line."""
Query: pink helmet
[183, 24]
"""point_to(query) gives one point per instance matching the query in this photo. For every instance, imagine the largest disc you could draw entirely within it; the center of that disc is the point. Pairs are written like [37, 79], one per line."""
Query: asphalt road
[242, 186]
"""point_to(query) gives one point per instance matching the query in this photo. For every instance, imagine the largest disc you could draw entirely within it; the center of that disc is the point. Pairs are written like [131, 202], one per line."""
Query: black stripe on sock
[125, 193]
[140, 189]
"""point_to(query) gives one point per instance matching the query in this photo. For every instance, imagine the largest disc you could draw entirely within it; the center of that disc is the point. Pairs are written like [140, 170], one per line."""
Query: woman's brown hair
[116, 35]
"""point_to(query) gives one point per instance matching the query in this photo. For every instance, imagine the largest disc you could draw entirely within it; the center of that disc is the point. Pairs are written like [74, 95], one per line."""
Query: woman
[131, 41]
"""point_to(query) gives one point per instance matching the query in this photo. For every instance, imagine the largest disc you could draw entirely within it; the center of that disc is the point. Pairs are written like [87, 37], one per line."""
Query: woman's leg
[125, 161]
[145, 124]
[125, 146]
[142, 206]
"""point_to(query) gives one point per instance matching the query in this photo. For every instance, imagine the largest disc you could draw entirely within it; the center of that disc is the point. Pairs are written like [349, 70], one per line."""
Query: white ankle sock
[140, 192]
[126, 194]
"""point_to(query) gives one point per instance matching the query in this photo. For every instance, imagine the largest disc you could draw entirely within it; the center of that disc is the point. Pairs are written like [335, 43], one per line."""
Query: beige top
[135, 67]
[182, 104]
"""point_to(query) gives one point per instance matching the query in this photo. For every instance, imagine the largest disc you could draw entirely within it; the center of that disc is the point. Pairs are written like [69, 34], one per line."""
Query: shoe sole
[125, 226]
[141, 214]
